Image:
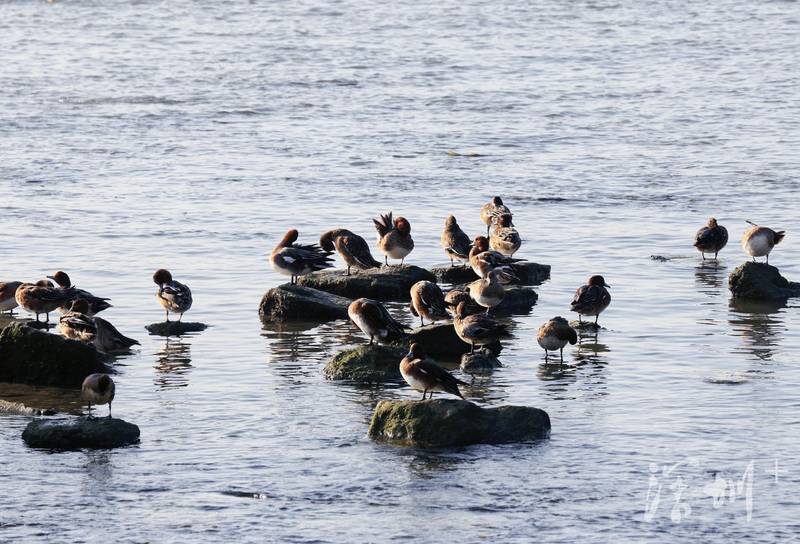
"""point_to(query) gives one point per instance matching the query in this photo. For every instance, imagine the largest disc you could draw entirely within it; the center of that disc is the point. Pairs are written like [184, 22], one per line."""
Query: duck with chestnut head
[425, 375]
[394, 237]
[483, 260]
[591, 299]
[491, 211]
[292, 259]
[173, 296]
[505, 238]
[96, 304]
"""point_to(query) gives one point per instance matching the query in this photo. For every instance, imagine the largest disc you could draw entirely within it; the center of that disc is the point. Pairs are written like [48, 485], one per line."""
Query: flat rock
[441, 340]
[34, 357]
[761, 281]
[370, 364]
[446, 423]
[518, 300]
[385, 283]
[480, 363]
[298, 303]
[175, 328]
[81, 432]
[528, 273]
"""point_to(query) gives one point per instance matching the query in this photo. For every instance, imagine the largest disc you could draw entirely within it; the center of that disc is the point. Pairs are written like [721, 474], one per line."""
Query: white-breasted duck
[427, 302]
[375, 321]
[759, 241]
[8, 299]
[424, 375]
[491, 211]
[554, 335]
[173, 295]
[394, 237]
[293, 260]
[488, 292]
[505, 238]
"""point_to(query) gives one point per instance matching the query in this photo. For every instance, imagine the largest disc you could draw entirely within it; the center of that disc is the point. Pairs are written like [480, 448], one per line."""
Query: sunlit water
[136, 135]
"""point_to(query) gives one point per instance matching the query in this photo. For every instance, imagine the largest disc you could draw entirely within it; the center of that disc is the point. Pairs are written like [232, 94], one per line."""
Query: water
[137, 135]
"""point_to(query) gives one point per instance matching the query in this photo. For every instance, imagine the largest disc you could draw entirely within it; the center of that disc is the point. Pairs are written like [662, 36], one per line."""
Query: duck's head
[451, 221]
[326, 241]
[289, 238]
[505, 220]
[712, 223]
[598, 280]
[61, 278]
[560, 320]
[80, 306]
[104, 383]
[44, 283]
[415, 351]
[497, 201]
[481, 243]
[161, 277]
[402, 225]
[461, 310]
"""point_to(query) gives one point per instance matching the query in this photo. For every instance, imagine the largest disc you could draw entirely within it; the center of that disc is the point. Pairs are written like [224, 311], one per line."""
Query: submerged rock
[370, 363]
[760, 281]
[445, 422]
[78, 433]
[175, 328]
[297, 303]
[528, 273]
[384, 283]
[480, 363]
[441, 340]
[517, 300]
[38, 358]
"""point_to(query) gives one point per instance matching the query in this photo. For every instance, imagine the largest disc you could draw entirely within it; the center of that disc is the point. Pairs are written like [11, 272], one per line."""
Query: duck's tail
[779, 236]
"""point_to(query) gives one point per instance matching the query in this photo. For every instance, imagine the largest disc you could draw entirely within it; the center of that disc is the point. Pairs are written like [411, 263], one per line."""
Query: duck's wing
[358, 248]
[311, 255]
[447, 381]
[383, 224]
[79, 322]
[391, 323]
[480, 326]
[433, 298]
[590, 296]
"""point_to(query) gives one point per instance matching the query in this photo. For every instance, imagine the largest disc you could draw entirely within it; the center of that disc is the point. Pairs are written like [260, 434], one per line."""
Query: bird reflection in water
[710, 277]
[173, 364]
[759, 324]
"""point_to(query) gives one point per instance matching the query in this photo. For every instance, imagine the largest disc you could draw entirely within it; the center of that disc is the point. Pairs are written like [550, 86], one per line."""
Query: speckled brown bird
[491, 211]
[554, 335]
[505, 238]
[454, 241]
[42, 297]
[352, 248]
[483, 260]
[477, 329]
[591, 299]
[427, 302]
[76, 324]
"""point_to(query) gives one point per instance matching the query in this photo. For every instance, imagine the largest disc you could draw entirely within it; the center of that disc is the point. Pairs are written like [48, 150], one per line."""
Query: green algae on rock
[369, 364]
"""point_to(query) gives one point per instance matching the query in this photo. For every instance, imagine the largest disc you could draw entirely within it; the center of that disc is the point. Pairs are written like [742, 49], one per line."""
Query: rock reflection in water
[710, 277]
[760, 325]
[173, 364]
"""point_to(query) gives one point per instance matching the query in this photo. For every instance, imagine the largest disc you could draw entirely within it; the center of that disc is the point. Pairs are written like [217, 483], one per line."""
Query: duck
[374, 320]
[455, 242]
[42, 297]
[109, 340]
[759, 241]
[455, 296]
[294, 260]
[711, 238]
[505, 238]
[554, 335]
[394, 237]
[76, 324]
[8, 299]
[491, 211]
[488, 291]
[427, 302]
[477, 328]
[592, 298]
[424, 375]
[353, 249]
[96, 304]
[173, 296]
[98, 389]
[483, 260]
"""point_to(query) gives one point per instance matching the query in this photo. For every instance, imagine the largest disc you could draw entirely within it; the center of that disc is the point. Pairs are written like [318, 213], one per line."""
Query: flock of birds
[491, 257]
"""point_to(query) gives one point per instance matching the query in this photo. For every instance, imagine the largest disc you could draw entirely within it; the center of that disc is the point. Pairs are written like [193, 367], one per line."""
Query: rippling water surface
[136, 135]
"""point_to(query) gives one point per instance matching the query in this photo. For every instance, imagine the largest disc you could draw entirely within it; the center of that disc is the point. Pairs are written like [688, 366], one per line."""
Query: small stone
[78, 433]
[370, 364]
[297, 303]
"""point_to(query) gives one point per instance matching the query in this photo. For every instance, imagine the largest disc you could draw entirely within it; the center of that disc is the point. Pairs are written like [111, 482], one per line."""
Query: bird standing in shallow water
[427, 302]
[293, 260]
[353, 249]
[491, 211]
[592, 298]
[98, 389]
[394, 237]
[424, 375]
[554, 335]
[759, 241]
[505, 238]
[173, 296]
[454, 241]
[374, 320]
[711, 238]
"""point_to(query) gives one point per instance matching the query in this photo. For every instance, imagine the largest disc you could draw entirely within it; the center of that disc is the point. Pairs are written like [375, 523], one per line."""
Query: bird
[374, 320]
[98, 389]
[505, 238]
[394, 237]
[96, 304]
[454, 296]
[454, 241]
[291, 259]
[711, 238]
[424, 375]
[8, 299]
[109, 340]
[477, 328]
[76, 324]
[483, 260]
[173, 296]
[492, 210]
[488, 291]
[42, 297]
[759, 241]
[592, 298]
[427, 302]
[554, 335]
[353, 249]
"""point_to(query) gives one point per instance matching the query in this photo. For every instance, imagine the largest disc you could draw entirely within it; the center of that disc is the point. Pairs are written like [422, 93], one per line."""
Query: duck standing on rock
[455, 242]
[477, 328]
[554, 335]
[109, 340]
[483, 260]
[759, 241]
[711, 238]
[592, 298]
[76, 324]
[96, 304]
[98, 389]
[291, 259]
[487, 292]
[491, 211]
[42, 297]
[353, 249]
[456, 296]
[8, 299]
[374, 320]
[394, 237]
[424, 375]
[505, 238]
[173, 296]
[427, 302]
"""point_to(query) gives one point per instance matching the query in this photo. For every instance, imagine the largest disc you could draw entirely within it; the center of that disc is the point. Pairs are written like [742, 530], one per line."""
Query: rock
[367, 363]
[441, 340]
[384, 283]
[78, 433]
[38, 358]
[445, 423]
[297, 303]
[175, 328]
[518, 300]
[528, 273]
[760, 281]
[480, 363]
[18, 408]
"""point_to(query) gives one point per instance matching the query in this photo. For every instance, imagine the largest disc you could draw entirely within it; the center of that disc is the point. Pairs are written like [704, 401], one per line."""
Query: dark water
[136, 135]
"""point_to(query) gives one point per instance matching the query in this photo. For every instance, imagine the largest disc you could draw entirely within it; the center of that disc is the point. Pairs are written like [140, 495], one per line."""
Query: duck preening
[554, 335]
[95, 304]
[8, 298]
[291, 259]
[488, 291]
[711, 238]
[353, 249]
[483, 260]
[394, 237]
[425, 375]
[374, 320]
[427, 302]
[591, 299]
[477, 329]
[109, 340]
[43, 297]
[98, 389]
[76, 324]
[455, 242]
[491, 211]
[505, 238]
[173, 296]
[759, 241]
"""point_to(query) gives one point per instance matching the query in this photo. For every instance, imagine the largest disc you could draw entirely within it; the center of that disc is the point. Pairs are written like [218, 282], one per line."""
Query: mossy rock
[385, 283]
[442, 423]
[480, 363]
[175, 328]
[440, 340]
[298, 303]
[369, 364]
[761, 281]
[527, 273]
[79, 433]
